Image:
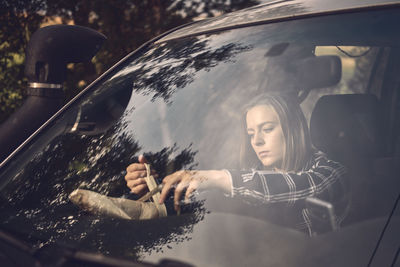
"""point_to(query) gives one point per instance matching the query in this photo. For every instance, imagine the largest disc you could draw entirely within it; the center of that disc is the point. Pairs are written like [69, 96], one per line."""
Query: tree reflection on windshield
[173, 65]
[98, 163]
[40, 194]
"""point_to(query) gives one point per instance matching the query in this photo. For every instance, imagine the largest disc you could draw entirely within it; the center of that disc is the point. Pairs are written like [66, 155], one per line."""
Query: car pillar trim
[45, 85]
[76, 124]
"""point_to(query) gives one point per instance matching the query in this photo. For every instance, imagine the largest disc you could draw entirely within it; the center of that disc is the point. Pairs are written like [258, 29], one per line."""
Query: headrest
[347, 125]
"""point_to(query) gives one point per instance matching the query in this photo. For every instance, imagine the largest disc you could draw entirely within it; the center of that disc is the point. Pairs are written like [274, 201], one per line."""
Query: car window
[184, 104]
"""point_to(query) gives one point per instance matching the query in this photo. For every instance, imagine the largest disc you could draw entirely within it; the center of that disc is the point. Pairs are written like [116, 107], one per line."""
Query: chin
[269, 163]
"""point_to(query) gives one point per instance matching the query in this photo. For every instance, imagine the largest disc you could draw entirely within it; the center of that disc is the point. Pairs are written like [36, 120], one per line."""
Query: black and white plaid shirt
[321, 178]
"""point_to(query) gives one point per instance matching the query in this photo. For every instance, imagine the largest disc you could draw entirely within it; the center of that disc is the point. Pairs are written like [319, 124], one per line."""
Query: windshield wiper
[15, 242]
[57, 255]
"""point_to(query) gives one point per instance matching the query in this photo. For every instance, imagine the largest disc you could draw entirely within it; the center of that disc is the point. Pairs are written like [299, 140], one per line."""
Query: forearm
[219, 179]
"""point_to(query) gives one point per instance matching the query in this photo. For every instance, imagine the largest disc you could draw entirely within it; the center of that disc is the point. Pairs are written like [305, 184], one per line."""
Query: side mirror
[52, 47]
[47, 55]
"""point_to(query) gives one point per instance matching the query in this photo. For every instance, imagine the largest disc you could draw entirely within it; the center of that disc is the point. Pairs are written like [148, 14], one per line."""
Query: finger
[191, 188]
[135, 175]
[136, 167]
[164, 192]
[138, 174]
[169, 182]
[184, 183]
[140, 189]
[142, 159]
[132, 186]
[133, 183]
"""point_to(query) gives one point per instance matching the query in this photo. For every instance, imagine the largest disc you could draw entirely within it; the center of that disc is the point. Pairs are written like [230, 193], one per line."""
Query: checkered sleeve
[272, 187]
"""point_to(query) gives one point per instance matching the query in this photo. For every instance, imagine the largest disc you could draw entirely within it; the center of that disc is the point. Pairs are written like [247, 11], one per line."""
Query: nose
[258, 139]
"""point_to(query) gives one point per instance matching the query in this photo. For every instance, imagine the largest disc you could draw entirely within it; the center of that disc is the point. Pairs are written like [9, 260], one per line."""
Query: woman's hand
[194, 180]
[135, 176]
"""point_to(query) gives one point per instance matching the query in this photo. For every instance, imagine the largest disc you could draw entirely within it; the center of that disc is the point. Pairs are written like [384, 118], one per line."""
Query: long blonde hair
[298, 148]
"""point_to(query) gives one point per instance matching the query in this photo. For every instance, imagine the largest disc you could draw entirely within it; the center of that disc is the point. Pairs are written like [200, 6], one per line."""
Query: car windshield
[323, 89]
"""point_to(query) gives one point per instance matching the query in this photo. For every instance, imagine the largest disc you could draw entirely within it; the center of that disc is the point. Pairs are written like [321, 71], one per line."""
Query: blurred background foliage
[126, 23]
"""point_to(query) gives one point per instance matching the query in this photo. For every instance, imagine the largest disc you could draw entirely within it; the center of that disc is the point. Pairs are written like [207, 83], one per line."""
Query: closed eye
[268, 130]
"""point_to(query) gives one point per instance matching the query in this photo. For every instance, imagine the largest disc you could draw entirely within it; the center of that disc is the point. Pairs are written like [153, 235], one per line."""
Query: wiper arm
[57, 255]
[15, 242]
[109, 261]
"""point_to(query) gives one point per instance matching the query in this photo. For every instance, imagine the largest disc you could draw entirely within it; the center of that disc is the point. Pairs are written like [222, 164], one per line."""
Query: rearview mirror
[295, 68]
[317, 72]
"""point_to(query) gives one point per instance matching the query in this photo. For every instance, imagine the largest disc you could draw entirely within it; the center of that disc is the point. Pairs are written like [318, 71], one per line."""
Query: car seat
[349, 129]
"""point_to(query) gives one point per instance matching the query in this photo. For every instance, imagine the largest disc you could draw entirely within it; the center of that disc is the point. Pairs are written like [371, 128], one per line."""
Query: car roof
[275, 10]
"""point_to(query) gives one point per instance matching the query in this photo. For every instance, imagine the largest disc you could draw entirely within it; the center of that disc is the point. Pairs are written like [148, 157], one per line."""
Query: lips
[263, 154]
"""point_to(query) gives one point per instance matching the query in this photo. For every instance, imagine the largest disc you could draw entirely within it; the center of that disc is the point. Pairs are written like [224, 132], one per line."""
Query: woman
[280, 165]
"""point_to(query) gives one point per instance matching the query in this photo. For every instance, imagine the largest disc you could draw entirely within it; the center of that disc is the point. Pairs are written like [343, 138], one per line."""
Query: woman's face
[266, 136]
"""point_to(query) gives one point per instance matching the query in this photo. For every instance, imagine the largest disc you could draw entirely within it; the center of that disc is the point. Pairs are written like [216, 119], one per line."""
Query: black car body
[177, 100]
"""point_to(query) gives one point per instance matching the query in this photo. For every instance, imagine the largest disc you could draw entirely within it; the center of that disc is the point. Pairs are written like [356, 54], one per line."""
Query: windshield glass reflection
[267, 132]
